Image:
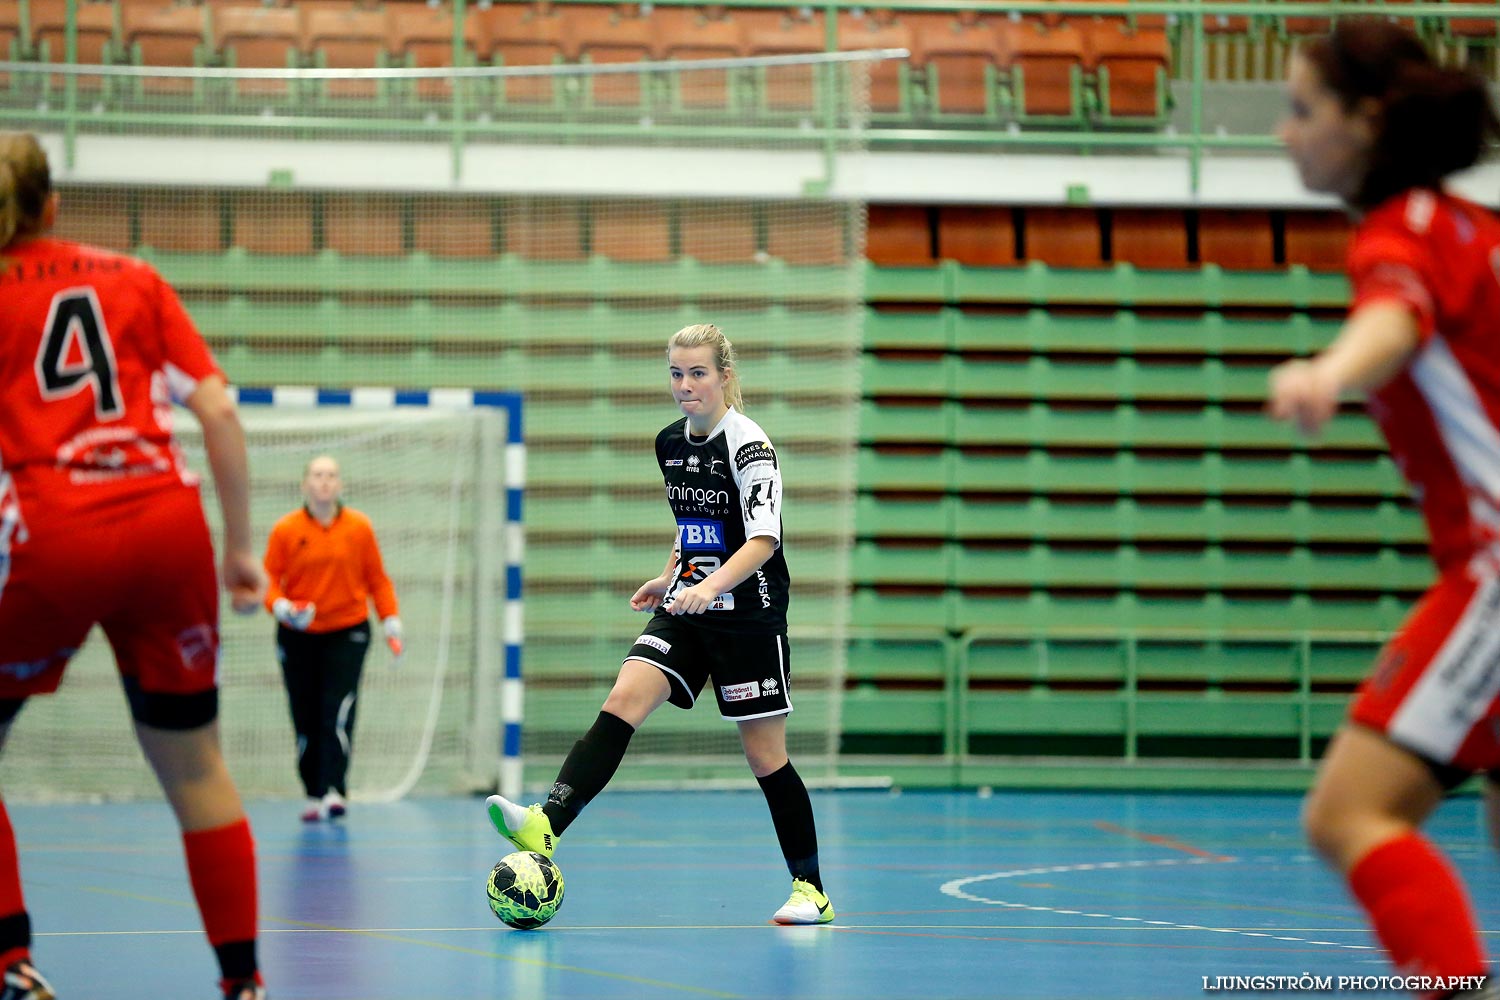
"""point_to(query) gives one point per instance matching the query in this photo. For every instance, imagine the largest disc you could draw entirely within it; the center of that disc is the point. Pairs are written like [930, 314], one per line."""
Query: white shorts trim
[666, 670]
[1457, 688]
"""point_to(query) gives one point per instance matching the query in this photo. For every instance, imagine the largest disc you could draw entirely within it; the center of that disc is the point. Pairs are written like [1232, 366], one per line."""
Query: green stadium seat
[876, 608]
[890, 87]
[1040, 613]
[924, 422]
[881, 517]
[871, 656]
[916, 469]
[902, 565]
[925, 330]
[915, 376]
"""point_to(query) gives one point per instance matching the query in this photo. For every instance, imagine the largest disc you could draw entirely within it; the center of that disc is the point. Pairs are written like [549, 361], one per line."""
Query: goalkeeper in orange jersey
[325, 569]
[719, 621]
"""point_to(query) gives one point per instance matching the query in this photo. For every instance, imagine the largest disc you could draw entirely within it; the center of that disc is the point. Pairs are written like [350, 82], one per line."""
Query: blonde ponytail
[708, 335]
[10, 213]
[25, 186]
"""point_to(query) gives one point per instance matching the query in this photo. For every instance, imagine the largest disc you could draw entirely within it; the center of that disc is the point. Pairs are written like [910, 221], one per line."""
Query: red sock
[1420, 911]
[221, 866]
[15, 925]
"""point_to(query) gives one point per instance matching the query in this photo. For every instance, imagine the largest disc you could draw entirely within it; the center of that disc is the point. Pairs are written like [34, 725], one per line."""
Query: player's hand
[393, 638]
[294, 614]
[1302, 392]
[693, 601]
[650, 594]
[245, 579]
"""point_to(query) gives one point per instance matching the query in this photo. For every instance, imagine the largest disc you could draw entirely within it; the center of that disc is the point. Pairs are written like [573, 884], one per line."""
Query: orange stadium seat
[11, 43]
[523, 34]
[806, 234]
[1064, 237]
[544, 229]
[689, 33]
[881, 29]
[778, 32]
[363, 225]
[1297, 27]
[717, 234]
[632, 230]
[899, 236]
[977, 236]
[346, 38]
[602, 34]
[960, 60]
[184, 221]
[1131, 67]
[422, 38]
[99, 217]
[1317, 240]
[156, 33]
[1239, 239]
[259, 38]
[97, 36]
[272, 222]
[1046, 67]
[1149, 237]
[1476, 28]
[454, 227]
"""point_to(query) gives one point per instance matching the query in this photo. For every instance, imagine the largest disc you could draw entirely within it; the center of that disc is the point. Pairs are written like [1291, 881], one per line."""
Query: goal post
[492, 756]
[441, 475]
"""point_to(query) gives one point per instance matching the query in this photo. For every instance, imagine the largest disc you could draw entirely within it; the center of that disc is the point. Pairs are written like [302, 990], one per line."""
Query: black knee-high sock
[590, 765]
[791, 811]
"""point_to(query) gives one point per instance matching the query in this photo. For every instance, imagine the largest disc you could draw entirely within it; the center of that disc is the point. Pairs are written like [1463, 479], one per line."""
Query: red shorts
[1434, 689]
[139, 563]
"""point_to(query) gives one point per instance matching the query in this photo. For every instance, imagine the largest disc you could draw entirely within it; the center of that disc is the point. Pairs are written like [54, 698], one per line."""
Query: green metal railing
[460, 125]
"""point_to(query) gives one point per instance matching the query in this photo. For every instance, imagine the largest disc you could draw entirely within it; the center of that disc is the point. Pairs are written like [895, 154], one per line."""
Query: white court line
[955, 888]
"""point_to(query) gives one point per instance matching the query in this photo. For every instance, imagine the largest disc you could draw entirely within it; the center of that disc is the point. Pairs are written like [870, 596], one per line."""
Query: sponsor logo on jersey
[658, 644]
[764, 589]
[199, 647]
[672, 463]
[740, 692]
[697, 495]
[759, 496]
[724, 602]
[755, 451]
[692, 464]
[25, 670]
[701, 535]
[713, 469]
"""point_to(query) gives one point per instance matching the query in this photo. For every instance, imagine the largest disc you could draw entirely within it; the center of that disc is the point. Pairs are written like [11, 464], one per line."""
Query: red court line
[1159, 841]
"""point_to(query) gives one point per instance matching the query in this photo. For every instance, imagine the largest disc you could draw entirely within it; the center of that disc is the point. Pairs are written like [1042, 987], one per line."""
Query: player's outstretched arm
[1371, 348]
[224, 439]
[648, 596]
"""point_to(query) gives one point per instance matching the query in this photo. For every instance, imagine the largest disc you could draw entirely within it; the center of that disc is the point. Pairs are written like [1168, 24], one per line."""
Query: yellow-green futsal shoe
[805, 906]
[528, 828]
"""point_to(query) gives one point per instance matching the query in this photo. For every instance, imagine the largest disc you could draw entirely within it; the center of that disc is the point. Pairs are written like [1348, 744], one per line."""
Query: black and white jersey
[723, 490]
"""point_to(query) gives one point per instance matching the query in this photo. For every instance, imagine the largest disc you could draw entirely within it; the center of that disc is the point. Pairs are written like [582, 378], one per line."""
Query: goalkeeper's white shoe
[526, 827]
[807, 905]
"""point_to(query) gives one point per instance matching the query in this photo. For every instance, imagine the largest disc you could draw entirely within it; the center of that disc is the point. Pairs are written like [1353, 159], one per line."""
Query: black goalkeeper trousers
[321, 672]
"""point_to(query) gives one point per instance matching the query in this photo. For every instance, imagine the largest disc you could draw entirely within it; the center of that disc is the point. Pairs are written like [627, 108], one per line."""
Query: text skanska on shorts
[1339, 984]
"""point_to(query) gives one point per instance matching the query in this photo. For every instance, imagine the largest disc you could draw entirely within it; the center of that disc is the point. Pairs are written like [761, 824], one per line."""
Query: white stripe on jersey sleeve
[1472, 441]
[759, 481]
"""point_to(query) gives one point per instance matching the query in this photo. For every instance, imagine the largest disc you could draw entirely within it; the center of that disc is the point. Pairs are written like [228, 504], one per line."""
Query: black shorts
[752, 672]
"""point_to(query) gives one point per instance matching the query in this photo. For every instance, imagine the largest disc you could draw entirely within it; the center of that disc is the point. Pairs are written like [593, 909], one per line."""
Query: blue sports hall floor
[939, 895]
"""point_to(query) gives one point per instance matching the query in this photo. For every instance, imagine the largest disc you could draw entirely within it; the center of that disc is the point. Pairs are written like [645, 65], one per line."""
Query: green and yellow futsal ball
[525, 890]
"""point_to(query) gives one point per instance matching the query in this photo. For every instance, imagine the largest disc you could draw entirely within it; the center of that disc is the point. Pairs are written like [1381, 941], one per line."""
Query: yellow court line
[459, 949]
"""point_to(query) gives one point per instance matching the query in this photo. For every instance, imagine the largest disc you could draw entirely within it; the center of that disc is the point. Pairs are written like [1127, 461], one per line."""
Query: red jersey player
[101, 523]
[1374, 121]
